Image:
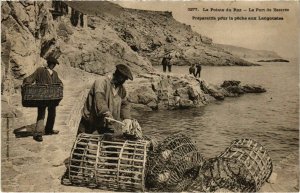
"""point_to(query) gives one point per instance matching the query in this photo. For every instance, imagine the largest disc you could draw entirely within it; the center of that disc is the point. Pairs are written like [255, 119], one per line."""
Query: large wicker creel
[41, 95]
[109, 164]
[173, 165]
[243, 167]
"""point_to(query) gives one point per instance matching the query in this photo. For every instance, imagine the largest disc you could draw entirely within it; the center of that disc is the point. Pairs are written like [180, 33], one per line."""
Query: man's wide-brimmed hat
[52, 60]
[123, 69]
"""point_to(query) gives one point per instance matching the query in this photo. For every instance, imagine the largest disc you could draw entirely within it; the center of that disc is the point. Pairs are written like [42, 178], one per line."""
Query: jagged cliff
[152, 33]
[94, 36]
[33, 30]
[28, 34]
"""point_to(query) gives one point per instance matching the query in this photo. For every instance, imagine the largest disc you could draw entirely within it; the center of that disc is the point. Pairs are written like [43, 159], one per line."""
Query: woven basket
[173, 165]
[112, 165]
[243, 167]
[41, 95]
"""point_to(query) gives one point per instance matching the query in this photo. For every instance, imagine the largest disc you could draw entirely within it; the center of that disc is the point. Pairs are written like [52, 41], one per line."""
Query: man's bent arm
[101, 105]
[31, 79]
[125, 109]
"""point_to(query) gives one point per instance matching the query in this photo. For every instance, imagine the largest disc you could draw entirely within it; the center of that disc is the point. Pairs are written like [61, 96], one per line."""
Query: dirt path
[39, 166]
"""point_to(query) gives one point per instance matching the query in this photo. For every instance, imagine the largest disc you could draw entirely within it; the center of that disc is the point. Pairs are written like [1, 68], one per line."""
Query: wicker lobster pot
[244, 166]
[41, 95]
[173, 165]
[113, 165]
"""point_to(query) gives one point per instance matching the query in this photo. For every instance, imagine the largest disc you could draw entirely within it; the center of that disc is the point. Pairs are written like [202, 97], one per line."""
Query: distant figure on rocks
[176, 98]
[106, 101]
[166, 61]
[198, 70]
[45, 75]
[192, 70]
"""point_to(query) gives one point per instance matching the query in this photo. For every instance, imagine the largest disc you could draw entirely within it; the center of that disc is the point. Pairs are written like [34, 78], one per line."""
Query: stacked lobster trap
[173, 165]
[243, 167]
[114, 164]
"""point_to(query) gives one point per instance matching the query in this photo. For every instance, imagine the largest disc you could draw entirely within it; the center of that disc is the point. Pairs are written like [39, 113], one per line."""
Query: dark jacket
[42, 76]
[166, 61]
[198, 67]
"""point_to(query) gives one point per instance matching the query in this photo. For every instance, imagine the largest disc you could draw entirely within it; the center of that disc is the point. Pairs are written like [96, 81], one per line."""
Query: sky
[281, 36]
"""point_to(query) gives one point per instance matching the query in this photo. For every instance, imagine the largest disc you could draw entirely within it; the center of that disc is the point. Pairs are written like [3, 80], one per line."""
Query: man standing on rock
[166, 61]
[192, 70]
[106, 100]
[45, 76]
[198, 70]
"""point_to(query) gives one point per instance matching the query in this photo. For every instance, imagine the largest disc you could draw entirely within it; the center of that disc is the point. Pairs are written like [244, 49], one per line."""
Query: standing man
[170, 63]
[106, 99]
[192, 70]
[45, 75]
[166, 61]
[198, 70]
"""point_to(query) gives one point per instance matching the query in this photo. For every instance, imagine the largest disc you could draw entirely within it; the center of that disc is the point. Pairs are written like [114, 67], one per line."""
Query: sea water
[270, 118]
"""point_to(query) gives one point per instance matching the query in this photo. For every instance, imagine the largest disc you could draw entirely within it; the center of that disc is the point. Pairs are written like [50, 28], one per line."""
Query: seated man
[106, 99]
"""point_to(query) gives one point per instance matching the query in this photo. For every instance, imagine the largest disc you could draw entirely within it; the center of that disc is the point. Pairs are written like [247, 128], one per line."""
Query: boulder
[228, 83]
[186, 103]
[140, 107]
[143, 95]
[235, 90]
[212, 90]
[252, 88]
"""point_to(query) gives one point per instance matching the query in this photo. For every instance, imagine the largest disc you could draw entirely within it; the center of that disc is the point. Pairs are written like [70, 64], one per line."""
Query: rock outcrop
[28, 35]
[274, 60]
[159, 91]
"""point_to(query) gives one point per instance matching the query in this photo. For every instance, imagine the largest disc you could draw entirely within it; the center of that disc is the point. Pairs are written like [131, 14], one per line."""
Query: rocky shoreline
[29, 161]
[157, 91]
[143, 91]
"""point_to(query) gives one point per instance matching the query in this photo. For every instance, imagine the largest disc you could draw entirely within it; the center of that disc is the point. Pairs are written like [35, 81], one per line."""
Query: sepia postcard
[150, 96]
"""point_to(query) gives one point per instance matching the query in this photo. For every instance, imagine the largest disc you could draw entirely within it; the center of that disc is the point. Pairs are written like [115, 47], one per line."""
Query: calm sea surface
[270, 118]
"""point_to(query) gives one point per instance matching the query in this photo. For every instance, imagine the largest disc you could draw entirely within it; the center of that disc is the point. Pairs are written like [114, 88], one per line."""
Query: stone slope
[152, 33]
[27, 35]
[98, 51]
[31, 31]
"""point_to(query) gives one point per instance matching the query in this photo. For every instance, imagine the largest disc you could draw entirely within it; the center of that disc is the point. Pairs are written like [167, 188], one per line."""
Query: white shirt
[115, 89]
[50, 71]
